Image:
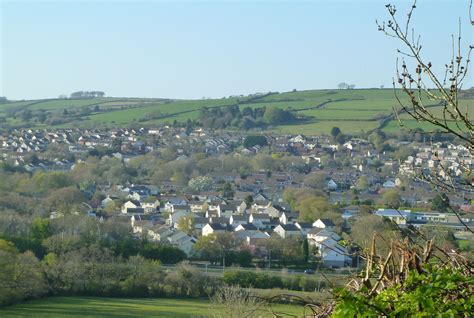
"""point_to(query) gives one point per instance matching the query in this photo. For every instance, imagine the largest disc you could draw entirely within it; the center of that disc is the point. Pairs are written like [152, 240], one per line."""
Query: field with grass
[358, 110]
[62, 307]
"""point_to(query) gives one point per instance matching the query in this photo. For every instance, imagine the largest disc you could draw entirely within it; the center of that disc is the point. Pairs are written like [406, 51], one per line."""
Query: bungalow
[220, 220]
[200, 222]
[174, 218]
[196, 206]
[141, 227]
[170, 205]
[260, 206]
[304, 227]
[325, 224]
[135, 196]
[227, 209]
[389, 184]
[151, 207]
[182, 241]
[428, 217]
[256, 238]
[349, 212]
[211, 228]
[273, 211]
[236, 220]
[246, 227]
[106, 201]
[335, 256]
[316, 236]
[332, 185]
[287, 217]
[159, 233]
[242, 208]
[398, 216]
[287, 230]
[130, 207]
[259, 219]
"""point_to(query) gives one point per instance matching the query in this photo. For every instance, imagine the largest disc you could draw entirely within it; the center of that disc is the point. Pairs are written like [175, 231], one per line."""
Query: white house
[134, 196]
[170, 206]
[182, 241]
[246, 227]
[316, 235]
[174, 218]
[242, 208]
[106, 201]
[332, 185]
[236, 220]
[131, 207]
[259, 220]
[304, 227]
[287, 217]
[389, 184]
[287, 230]
[272, 211]
[398, 216]
[151, 207]
[335, 256]
[212, 228]
[325, 224]
[159, 233]
[256, 237]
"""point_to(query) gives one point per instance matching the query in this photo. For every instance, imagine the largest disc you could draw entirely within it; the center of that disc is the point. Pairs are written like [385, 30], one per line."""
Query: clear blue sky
[213, 48]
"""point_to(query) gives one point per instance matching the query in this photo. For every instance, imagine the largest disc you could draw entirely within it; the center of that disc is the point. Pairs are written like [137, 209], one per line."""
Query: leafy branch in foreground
[416, 277]
[408, 281]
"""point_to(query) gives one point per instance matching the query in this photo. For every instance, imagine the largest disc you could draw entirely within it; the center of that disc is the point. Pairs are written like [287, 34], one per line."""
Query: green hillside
[351, 110]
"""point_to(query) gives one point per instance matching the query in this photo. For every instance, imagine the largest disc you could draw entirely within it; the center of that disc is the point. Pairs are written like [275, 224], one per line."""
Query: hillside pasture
[351, 110]
[66, 103]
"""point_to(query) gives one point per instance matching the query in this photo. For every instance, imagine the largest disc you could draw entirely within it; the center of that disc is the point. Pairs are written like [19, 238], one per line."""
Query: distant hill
[351, 110]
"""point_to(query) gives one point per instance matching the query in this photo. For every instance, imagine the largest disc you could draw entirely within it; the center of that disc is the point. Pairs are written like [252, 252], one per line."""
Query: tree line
[87, 94]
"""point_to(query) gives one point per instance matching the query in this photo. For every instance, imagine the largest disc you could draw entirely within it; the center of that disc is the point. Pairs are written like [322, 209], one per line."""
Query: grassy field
[62, 307]
[351, 110]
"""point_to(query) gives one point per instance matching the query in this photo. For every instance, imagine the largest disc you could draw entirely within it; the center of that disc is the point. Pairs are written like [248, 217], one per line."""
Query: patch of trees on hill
[87, 94]
[245, 119]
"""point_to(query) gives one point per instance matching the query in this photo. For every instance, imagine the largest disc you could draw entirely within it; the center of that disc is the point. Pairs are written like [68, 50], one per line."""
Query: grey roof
[290, 227]
[305, 225]
[315, 230]
[328, 222]
[217, 227]
[249, 227]
[260, 216]
[219, 219]
[239, 217]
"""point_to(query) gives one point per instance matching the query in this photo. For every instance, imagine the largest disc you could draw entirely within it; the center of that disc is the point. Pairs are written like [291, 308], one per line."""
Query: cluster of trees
[247, 118]
[312, 204]
[80, 255]
[223, 249]
[87, 94]
[94, 271]
[344, 85]
[226, 249]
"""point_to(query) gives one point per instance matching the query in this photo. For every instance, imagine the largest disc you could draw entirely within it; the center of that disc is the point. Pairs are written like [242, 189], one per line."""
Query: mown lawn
[61, 307]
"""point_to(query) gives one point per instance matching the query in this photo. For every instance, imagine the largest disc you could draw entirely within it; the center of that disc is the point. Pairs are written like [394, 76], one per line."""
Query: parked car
[309, 271]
